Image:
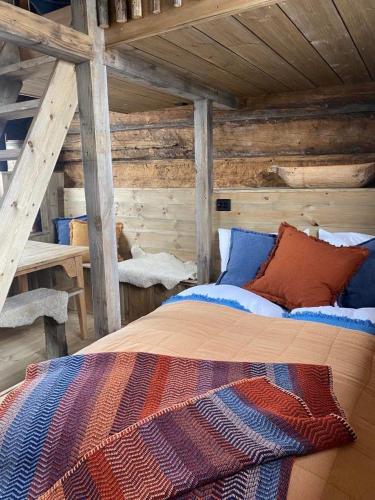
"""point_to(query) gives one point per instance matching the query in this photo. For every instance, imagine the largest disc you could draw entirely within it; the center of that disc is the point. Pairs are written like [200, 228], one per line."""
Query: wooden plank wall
[164, 219]
[155, 149]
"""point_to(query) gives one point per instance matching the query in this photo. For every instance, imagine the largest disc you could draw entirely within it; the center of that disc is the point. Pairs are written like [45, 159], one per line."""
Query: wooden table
[38, 256]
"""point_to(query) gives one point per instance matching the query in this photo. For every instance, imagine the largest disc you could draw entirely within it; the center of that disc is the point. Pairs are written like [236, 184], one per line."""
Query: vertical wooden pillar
[97, 166]
[203, 134]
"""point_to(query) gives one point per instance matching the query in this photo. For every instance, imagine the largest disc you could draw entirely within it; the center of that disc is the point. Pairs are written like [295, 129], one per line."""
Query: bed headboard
[164, 219]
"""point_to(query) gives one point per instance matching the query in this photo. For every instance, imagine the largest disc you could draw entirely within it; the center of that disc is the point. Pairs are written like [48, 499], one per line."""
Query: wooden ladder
[35, 161]
[12, 73]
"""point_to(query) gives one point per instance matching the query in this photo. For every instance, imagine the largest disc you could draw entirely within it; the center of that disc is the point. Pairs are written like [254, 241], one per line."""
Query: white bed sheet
[258, 305]
[249, 300]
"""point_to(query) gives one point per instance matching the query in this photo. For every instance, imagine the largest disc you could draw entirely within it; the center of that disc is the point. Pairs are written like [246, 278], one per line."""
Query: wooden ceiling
[292, 45]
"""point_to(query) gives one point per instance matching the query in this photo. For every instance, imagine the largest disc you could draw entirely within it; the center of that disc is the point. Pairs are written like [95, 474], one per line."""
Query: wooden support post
[55, 336]
[203, 136]
[97, 166]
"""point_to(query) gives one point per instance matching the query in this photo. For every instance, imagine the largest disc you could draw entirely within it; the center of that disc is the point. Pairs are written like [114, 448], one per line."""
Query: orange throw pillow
[303, 271]
[79, 236]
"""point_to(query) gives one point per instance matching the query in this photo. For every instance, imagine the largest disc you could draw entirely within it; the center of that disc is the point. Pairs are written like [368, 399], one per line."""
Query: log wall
[155, 149]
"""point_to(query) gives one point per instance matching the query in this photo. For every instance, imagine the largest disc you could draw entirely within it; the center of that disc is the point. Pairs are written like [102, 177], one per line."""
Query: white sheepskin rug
[147, 269]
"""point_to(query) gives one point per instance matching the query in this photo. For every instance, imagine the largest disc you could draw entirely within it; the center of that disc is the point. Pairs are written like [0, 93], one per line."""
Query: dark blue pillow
[63, 228]
[361, 289]
[248, 250]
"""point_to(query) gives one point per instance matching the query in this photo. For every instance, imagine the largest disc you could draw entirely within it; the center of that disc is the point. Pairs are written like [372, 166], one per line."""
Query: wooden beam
[33, 170]
[97, 164]
[23, 70]
[191, 12]
[40, 33]
[203, 140]
[18, 110]
[135, 69]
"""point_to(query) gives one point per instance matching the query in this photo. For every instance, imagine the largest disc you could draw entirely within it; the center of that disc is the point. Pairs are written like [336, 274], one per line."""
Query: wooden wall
[164, 219]
[155, 149]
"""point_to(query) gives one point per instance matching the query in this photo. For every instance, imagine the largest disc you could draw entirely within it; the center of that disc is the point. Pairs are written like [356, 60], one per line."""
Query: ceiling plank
[230, 33]
[321, 24]
[160, 50]
[24, 28]
[191, 12]
[200, 44]
[360, 22]
[274, 27]
[135, 69]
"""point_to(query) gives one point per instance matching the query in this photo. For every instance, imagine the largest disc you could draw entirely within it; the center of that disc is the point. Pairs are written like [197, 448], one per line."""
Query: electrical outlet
[223, 205]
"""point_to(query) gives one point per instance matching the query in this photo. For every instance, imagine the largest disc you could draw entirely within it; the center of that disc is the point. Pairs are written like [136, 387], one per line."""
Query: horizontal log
[341, 134]
[228, 173]
[135, 69]
[24, 28]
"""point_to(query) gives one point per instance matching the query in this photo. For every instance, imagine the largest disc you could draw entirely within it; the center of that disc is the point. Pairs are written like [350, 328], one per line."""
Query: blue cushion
[63, 229]
[361, 289]
[248, 251]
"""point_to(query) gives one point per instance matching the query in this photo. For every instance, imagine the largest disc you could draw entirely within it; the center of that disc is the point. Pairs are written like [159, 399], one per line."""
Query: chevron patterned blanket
[144, 426]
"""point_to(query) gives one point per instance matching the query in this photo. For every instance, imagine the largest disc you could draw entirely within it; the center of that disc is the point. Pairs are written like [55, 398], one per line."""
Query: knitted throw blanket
[143, 426]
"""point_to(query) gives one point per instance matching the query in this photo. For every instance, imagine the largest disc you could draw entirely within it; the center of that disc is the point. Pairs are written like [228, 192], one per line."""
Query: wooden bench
[23, 309]
[136, 302]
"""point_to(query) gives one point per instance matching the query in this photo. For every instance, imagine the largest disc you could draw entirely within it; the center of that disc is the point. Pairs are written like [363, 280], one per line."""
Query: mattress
[211, 331]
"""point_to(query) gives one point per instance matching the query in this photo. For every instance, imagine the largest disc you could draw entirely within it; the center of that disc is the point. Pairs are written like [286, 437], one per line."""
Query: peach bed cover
[216, 332]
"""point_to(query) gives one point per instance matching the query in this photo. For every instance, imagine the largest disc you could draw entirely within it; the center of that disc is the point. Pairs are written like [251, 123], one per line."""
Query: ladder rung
[25, 69]
[18, 110]
[9, 154]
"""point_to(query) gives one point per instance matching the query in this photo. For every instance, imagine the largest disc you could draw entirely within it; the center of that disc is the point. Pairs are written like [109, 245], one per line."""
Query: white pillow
[344, 239]
[224, 246]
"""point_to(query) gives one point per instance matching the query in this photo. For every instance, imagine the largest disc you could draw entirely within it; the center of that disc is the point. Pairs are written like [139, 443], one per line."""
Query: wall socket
[223, 205]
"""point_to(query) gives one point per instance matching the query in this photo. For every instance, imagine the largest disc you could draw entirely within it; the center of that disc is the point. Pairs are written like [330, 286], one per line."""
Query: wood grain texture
[164, 219]
[138, 70]
[18, 110]
[323, 27]
[197, 42]
[341, 134]
[42, 34]
[55, 337]
[275, 29]
[34, 168]
[360, 22]
[203, 156]
[328, 126]
[230, 33]
[171, 18]
[9, 87]
[121, 11]
[96, 154]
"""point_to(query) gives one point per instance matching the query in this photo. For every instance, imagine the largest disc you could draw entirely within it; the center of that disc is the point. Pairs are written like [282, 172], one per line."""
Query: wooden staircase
[51, 114]
[13, 73]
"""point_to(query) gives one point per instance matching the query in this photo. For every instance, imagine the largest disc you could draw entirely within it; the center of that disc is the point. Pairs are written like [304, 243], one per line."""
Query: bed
[224, 323]
[218, 332]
